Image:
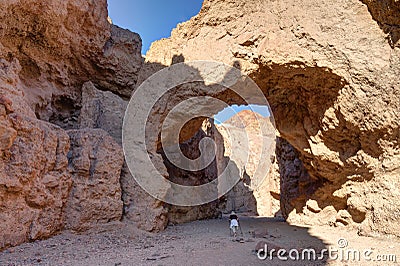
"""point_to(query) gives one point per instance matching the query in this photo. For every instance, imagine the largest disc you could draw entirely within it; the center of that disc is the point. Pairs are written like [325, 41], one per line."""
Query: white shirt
[234, 222]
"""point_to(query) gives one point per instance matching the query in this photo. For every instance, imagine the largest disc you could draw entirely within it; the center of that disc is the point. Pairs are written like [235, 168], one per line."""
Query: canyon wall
[56, 171]
[258, 190]
[329, 71]
[251, 195]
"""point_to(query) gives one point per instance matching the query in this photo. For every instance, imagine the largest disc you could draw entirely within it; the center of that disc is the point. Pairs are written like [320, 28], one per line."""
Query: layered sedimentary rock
[330, 72]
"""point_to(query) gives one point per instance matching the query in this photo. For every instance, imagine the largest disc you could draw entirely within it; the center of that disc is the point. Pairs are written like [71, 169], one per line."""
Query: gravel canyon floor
[205, 242]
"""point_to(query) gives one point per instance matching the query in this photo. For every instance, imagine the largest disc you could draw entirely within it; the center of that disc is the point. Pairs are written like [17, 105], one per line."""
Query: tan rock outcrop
[95, 165]
[254, 192]
[102, 109]
[331, 77]
[106, 110]
[41, 190]
[191, 149]
[386, 13]
[72, 42]
[34, 178]
[45, 57]
[141, 209]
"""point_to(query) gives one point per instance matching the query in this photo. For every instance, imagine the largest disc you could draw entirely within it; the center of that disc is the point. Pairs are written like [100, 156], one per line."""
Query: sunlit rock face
[259, 183]
[257, 191]
[330, 74]
[34, 176]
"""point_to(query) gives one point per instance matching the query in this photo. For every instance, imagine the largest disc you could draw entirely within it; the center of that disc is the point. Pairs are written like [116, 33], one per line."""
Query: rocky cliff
[57, 171]
[258, 190]
[329, 71]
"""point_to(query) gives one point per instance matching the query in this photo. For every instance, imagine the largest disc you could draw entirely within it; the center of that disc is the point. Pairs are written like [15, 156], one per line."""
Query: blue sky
[228, 112]
[152, 19]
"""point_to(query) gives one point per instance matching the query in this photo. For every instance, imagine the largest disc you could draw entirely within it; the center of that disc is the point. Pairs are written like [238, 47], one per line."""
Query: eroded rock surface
[141, 209]
[51, 178]
[331, 77]
[102, 109]
[255, 190]
[329, 70]
[35, 182]
[386, 13]
[95, 165]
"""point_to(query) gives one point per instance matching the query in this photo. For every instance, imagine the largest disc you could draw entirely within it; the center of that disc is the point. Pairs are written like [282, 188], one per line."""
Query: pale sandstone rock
[312, 205]
[330, 73]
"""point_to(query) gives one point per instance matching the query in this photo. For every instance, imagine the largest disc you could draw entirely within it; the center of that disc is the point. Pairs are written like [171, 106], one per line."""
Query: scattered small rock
[312, 205]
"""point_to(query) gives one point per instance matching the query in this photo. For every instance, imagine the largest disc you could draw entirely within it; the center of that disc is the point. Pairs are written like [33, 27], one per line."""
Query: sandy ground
[205, 242]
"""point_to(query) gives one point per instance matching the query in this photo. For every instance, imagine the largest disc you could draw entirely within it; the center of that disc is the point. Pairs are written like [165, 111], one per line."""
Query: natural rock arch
[298, 95]
[325, 93]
